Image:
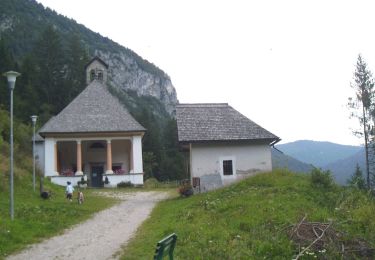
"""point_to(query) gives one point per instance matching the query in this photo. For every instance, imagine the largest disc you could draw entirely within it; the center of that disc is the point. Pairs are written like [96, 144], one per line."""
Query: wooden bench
[165, 247]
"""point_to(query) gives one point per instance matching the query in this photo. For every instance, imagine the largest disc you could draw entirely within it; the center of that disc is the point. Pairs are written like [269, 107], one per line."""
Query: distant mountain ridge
[303, 155]
[281, 161]
[318, 153]
[343, 169]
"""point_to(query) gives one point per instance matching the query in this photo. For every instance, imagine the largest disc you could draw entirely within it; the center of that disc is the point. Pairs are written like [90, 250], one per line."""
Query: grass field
[249, 220]
[35, 218]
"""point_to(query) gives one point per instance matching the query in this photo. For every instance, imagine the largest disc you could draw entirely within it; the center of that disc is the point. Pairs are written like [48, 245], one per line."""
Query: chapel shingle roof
[217, 122]
[94, 110]
[99, 60]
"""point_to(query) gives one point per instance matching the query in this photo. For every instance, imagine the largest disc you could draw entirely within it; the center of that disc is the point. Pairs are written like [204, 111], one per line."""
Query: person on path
[69, 191]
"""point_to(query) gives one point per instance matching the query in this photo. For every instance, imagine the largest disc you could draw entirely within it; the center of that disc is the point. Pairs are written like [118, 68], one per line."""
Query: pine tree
[76, 61]
[357, 180]
[49, 56]
[6, 64]
[362, 105]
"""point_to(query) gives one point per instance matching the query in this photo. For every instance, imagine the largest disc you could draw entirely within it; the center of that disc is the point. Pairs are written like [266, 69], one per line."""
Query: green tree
[76, 61]
[26, 97]
[362, 105]
[6, 64]
[49, 57]
[357, 180]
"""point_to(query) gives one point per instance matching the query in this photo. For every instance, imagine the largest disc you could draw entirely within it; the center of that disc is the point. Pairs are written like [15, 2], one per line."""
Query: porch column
[56, 159]
[131, 167]
[79, 158]
[137, 154]
[50, 160]
[109, 157]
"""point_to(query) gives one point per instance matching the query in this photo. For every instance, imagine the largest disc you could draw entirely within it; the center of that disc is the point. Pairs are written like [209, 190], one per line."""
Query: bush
[186, 190]
[125, 184]
[321, 179]
[151, 183]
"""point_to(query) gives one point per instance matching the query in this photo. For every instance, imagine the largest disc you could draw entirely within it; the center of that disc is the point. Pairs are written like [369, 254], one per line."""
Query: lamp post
[11, 76]
[33, 119]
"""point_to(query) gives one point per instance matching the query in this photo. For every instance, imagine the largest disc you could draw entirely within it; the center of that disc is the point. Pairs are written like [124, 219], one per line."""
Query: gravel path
[102, 236]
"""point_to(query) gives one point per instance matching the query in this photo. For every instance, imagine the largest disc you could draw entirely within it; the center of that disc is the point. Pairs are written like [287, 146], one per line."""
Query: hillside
[301, 156]
[22, 21]
[253, 219]
[284, 161]
[343, 169]
[317, 153]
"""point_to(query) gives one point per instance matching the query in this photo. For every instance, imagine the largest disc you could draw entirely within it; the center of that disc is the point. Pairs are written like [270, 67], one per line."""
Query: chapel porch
[118, 159]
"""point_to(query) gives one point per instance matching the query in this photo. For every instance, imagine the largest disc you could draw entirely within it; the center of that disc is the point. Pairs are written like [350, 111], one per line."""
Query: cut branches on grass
[316, 238]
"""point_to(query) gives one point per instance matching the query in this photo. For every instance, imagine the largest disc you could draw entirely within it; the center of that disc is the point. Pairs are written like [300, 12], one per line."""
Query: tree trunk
[366, 146]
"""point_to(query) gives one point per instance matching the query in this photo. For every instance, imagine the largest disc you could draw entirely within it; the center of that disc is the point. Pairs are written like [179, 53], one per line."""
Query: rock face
[125, 73]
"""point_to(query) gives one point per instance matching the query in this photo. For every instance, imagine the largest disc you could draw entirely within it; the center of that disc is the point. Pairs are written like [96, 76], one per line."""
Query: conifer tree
[49, 56]
[362, 106]
[76, 61]
[357, 180]
[6, 64]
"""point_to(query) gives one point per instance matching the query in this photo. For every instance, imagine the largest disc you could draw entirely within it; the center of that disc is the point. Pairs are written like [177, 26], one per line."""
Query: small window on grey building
[92, 75]
[227, 167]
[100, 75]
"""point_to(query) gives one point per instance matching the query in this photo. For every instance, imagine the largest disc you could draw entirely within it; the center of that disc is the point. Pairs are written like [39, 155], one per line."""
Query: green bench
[165, 247]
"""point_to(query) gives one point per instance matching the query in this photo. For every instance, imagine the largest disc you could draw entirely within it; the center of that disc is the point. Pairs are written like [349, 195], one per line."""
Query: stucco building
[94, 136]
[222, 144]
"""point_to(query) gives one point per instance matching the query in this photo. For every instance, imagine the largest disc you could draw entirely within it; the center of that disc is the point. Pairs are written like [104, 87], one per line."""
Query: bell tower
[96, 69]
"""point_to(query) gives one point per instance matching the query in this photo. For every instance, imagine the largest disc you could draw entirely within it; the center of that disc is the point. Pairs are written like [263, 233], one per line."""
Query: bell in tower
[96, 69]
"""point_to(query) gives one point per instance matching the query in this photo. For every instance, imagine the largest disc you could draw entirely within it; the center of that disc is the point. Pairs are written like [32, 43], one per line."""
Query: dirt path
[102, 236]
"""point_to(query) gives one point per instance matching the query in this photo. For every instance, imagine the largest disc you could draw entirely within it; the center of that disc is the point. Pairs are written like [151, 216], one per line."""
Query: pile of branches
[322, 237]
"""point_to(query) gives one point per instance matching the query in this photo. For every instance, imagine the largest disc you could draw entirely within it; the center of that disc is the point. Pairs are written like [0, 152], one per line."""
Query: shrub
[321, 179]
[186, 190]
[151, 183]
[106, 181]
[125, 184]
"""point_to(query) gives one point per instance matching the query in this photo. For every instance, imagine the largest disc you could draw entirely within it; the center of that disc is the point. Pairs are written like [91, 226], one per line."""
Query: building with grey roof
[222, 144]
[93, 137]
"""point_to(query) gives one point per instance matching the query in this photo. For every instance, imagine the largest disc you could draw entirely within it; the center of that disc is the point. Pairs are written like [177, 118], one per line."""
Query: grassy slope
[248, 220]
[35, 218]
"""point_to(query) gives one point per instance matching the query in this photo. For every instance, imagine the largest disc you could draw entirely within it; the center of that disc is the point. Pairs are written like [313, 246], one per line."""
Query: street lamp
[11, 76]
[33, 119]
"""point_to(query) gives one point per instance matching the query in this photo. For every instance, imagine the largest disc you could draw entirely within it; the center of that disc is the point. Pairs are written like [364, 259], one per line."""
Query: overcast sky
[287, 65]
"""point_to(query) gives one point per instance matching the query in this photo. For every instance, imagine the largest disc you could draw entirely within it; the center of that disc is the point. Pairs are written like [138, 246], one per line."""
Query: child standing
[69, 191]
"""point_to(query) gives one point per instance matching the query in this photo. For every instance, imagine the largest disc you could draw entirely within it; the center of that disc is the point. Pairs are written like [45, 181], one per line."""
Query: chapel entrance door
[96, 176]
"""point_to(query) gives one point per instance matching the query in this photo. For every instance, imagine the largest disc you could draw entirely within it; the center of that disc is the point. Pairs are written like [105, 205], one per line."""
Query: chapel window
[92, 75]
[227, 167]
[100, 75]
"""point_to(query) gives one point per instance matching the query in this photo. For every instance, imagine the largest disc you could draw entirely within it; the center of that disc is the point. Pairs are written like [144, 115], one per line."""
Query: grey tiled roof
[99, 60]
[94, 110]
[38, 138]
[216, 122]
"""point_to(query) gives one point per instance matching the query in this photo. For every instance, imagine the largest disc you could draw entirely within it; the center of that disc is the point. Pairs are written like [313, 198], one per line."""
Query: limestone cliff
[125, 73]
